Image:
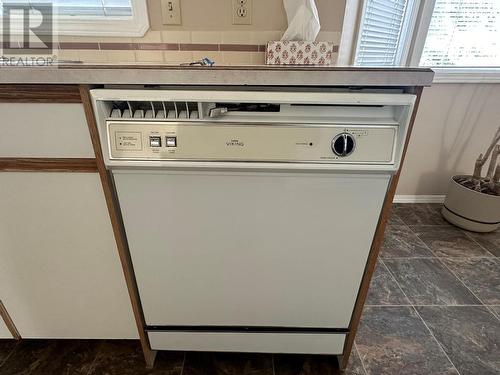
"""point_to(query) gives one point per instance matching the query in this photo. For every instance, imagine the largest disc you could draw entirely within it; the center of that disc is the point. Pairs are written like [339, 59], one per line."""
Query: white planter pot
[470, 209]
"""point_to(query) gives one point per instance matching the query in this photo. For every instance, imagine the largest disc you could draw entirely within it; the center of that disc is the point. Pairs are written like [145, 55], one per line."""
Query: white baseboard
[419, 198]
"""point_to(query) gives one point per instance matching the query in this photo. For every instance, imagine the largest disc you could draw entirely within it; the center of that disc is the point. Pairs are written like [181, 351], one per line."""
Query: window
[93, 8]
[381, 36]
[460, 39]
[463, 33]
[94, 17]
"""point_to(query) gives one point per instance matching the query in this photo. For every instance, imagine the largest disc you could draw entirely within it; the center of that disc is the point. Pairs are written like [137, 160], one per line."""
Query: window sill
[466, 75]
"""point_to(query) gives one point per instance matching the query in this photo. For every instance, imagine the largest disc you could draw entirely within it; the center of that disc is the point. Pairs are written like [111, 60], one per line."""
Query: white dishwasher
[249, 215]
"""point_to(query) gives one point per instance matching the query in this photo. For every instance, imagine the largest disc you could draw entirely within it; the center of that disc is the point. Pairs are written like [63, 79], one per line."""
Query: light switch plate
[171, 12]
[242, 12]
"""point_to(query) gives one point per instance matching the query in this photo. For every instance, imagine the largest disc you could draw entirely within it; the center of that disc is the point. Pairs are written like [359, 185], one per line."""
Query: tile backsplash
[176, 47]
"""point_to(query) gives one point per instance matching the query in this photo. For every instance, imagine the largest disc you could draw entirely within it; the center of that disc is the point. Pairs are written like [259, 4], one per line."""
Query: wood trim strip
[48, 164]
[8, 322]
[376, 244]
[118, 228]
[39, 94]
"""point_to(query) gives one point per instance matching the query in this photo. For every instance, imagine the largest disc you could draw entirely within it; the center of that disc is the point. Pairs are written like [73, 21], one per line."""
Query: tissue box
[287, 52]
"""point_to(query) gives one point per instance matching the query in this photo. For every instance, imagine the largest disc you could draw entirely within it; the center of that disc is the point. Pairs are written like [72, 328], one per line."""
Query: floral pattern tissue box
[287, 52]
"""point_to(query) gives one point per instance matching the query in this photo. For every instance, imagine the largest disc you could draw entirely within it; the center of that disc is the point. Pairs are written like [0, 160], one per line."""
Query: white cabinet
[60, 275]
[4, 331]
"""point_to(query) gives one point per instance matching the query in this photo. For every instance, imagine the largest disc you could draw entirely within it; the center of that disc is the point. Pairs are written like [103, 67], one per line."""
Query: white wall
[210, 15]
[455, 123]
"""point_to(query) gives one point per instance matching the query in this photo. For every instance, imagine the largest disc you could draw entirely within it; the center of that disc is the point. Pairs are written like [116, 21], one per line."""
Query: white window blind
[463, 33]
[84, 8]
[380, 33]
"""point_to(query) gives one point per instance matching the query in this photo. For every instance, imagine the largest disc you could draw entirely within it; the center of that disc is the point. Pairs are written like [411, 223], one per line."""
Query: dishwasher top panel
[163, 128]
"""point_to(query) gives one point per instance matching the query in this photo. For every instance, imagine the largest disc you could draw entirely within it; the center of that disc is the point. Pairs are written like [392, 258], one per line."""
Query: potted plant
[473, 202]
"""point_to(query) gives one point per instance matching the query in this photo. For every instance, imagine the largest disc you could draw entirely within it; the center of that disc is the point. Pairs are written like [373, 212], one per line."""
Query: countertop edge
[249, 76]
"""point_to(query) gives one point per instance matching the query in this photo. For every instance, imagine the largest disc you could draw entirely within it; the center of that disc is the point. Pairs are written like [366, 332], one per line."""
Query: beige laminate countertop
[216, 75]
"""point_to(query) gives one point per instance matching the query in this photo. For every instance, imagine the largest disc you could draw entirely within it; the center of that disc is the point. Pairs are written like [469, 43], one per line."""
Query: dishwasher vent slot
[168, 110]
[215, 109]
[249, 107]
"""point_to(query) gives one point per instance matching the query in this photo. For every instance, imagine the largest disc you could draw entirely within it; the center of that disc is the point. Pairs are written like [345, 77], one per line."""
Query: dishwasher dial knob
[343, 144]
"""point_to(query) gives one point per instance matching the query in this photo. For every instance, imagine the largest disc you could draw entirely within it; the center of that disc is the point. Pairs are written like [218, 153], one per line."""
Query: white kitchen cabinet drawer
[44, 130]
[4, 331]
[268, 342]
[60, 274]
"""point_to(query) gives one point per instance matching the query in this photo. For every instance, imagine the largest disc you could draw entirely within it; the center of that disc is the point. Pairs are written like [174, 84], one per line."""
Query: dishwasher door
[249, 249]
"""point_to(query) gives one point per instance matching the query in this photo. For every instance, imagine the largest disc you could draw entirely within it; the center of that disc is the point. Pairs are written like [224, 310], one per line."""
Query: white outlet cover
[242, 12]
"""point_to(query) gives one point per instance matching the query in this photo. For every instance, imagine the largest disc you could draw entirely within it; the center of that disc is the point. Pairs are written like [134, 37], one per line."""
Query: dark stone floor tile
[495, 310]
[470, 335]
[41, 357]
[394, 340]
[202, 363]
[420, 214]
[6, 348]
[447, 241]
[27, 357]
[426, 281]
[125, 357]
[401, 242]
[299, 364]
[480, 275]
[69, 357]
[354, 367]
[490, 241]
[394, 219]
[384, 290]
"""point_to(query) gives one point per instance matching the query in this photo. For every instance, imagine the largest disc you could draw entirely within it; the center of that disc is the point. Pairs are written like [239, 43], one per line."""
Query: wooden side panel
[376, 244]
[7, 328]
[118, 228]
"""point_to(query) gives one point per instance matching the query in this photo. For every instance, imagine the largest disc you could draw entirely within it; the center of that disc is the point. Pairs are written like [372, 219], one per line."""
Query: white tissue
[303, 20]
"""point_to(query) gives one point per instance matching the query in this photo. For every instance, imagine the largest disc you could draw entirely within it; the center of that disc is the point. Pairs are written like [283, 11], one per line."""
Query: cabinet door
[60, 275]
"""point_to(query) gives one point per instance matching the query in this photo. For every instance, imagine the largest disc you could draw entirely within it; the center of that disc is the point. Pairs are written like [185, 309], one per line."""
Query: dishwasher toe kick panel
[312, 343]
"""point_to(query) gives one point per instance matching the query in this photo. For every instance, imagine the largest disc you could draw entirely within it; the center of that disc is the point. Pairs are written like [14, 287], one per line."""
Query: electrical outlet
[242, 12]
[171, 12]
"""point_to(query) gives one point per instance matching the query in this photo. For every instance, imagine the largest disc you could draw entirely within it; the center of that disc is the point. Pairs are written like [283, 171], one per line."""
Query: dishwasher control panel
[320, 143]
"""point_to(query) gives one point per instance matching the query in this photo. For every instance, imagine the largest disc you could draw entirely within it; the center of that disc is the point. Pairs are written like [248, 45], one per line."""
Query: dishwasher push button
[171, 141]
[154, 141]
